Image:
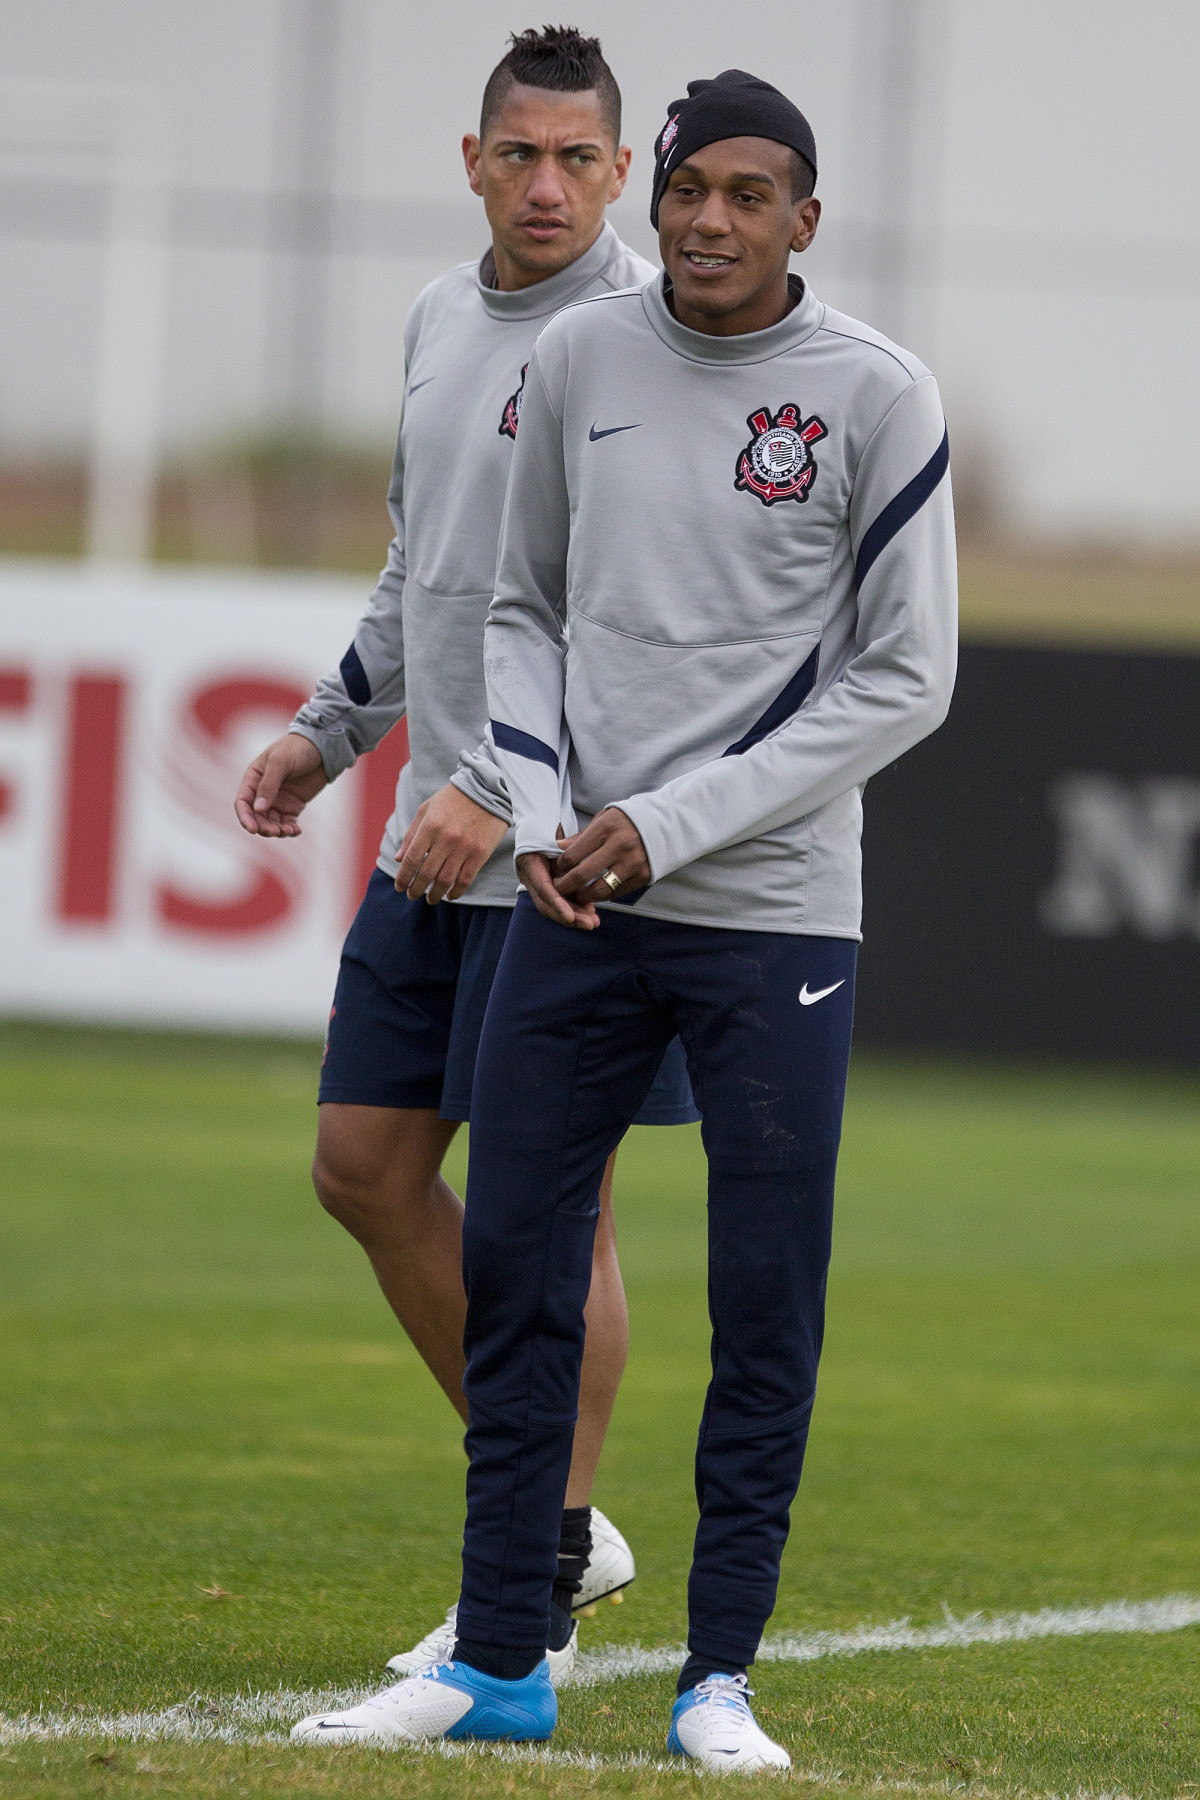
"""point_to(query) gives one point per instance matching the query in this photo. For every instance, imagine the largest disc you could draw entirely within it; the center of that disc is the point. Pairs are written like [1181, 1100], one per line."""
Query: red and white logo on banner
[126, 721]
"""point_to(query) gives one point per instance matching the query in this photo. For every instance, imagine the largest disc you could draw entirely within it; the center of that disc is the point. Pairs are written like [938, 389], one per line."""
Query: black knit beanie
[734, 104]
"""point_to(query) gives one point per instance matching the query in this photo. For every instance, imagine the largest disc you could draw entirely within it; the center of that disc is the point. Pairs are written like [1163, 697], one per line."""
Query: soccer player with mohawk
[420, 956]
[726, 597]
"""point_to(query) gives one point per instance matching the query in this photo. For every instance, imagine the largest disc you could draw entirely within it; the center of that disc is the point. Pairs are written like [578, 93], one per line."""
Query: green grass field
[203, 1390]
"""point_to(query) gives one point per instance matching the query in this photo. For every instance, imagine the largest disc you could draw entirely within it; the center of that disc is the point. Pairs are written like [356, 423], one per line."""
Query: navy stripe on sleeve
[781, 708]
[898, 512]
[355, 677]
[521, 743]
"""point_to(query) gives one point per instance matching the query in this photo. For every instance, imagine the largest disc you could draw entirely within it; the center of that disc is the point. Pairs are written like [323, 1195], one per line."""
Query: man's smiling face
[727, 224]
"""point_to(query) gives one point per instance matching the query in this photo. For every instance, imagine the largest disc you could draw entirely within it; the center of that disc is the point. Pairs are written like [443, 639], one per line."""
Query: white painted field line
[267, 1717]
[1173, 1613]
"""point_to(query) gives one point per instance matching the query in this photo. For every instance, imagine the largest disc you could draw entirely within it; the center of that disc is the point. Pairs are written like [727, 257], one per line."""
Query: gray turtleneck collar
[551, 295]
[750, 346]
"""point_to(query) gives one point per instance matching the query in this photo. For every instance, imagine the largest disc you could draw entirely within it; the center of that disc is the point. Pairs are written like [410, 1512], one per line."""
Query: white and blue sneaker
[449, 1700]
[610, 1570]
[610, 1565]
[438, 1645]
[713, 1725]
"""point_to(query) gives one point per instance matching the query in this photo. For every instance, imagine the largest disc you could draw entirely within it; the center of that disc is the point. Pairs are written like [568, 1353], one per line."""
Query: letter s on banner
[211, 718]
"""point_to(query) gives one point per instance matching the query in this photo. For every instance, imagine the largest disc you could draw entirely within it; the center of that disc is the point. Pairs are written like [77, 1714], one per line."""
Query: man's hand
[277, 787]
[611, 844]
[534, 870]
[446, 845]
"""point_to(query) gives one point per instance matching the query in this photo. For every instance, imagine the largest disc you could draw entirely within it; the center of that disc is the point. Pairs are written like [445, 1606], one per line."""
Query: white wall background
[1012, 187]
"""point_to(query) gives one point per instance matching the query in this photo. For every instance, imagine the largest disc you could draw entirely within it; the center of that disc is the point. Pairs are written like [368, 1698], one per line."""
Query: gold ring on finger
[612, 882]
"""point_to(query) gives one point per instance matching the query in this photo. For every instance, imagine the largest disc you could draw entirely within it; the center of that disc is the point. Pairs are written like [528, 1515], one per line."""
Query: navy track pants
[575, 1028]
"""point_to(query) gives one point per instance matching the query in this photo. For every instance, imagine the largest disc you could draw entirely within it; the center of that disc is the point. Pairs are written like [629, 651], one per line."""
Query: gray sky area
[1011, 187]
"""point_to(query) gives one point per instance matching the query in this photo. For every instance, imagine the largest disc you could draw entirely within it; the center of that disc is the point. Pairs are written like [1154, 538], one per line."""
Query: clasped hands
[566, 889]
[450, 839]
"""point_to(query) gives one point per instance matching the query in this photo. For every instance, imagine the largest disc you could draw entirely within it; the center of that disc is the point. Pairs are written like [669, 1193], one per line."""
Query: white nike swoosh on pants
[807, 999]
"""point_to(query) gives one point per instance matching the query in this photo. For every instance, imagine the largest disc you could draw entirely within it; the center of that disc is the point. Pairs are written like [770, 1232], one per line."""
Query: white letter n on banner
[1125, 857]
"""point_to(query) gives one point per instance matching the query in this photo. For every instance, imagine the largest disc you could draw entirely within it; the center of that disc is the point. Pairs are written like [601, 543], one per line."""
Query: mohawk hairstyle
[560, 59]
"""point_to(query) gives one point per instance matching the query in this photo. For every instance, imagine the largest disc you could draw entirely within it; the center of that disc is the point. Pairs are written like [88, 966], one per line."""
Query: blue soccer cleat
[436, 1646]
[448, 1700]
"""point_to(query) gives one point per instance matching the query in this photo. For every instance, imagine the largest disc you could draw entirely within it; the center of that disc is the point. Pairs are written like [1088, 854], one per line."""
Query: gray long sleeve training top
[726, 596]
[419, 647]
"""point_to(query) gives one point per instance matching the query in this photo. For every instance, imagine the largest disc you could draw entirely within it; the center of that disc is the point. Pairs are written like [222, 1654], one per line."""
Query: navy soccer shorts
[574, 1029]
[408, 1010]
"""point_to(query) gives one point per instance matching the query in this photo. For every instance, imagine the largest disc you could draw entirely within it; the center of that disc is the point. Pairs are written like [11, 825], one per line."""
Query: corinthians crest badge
[511, 416]
[777, 463]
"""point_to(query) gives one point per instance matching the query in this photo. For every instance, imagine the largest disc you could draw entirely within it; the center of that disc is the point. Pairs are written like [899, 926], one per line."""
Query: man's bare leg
[377, 1170]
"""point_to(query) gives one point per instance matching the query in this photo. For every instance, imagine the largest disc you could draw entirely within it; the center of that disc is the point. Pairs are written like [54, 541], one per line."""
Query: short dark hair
[804, 178]
[560, 59]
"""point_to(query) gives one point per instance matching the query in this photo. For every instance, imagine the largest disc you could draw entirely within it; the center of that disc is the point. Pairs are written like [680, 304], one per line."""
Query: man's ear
[620, 173]
[472, 151]
[808, 217]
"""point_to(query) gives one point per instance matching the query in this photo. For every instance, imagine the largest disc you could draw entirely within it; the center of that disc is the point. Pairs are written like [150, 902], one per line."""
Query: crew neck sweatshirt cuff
[337, 752]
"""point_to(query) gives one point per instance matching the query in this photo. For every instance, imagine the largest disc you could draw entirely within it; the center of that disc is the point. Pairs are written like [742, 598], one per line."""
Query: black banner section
[1031, 872]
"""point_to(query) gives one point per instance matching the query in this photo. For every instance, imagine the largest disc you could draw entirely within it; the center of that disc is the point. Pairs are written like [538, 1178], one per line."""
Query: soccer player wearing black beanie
[732, 105]
[725, 598]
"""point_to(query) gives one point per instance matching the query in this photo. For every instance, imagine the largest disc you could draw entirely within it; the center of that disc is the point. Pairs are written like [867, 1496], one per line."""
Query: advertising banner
[130, 703]
[1032, 871]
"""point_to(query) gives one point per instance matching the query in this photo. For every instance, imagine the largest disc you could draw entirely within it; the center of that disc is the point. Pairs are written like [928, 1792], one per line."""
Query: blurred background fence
[212, 223]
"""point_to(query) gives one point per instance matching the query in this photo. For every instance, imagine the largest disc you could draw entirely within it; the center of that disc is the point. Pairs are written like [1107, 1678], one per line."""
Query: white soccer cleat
[449, 1700]
[419, 1708]
[610, 1567]
[562, 1662]
[438, 1645]
[713, 1725]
